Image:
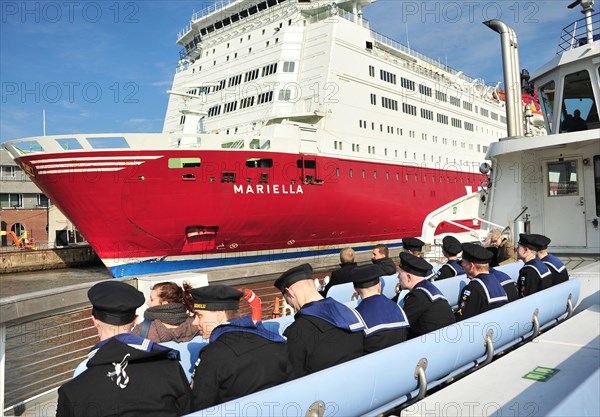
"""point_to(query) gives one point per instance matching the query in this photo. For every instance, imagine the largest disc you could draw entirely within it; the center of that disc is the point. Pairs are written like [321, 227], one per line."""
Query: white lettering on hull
[268, 189]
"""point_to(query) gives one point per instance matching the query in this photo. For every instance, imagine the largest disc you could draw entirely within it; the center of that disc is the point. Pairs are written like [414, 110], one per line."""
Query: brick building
[23, 207]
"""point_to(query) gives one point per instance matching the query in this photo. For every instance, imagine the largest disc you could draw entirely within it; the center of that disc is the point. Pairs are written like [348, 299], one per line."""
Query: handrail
[574, 34]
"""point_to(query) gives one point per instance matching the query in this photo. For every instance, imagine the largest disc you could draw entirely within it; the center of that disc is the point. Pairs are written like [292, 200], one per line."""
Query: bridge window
[579, 110]
[547, 96]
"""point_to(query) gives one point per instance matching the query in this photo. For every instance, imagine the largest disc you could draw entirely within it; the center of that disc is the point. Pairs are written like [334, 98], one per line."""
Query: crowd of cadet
[129, 373]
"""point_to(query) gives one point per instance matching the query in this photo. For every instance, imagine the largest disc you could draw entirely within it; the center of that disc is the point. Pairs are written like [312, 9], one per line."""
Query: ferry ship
[292, 129]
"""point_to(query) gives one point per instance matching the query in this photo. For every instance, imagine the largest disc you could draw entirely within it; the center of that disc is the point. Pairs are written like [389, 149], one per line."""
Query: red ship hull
[142, 216]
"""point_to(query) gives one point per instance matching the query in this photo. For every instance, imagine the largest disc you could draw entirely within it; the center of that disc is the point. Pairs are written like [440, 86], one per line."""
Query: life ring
[255, 303]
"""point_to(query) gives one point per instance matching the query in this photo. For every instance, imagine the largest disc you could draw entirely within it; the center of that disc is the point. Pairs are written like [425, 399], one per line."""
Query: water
[13, 284]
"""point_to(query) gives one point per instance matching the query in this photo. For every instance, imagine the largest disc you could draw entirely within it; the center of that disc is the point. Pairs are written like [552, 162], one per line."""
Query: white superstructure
[315, 71]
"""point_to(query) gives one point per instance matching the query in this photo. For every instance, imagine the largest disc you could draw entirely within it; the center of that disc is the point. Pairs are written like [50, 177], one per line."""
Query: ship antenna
[407, 41]
[587, 6]
[44, 121]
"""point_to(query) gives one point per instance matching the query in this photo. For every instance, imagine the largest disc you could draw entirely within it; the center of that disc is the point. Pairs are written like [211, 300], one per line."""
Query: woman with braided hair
[170, 314]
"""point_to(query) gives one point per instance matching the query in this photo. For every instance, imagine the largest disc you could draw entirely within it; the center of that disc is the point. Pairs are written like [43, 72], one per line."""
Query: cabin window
[547, 96]
[578, 111]
[29, 146]
[597, 182]
[228, 177]
[108, 142]
[69, 144]
[260, 144]
[289, 66]
[562, 179]
[307, 163]
[259, 163]
[184, 162]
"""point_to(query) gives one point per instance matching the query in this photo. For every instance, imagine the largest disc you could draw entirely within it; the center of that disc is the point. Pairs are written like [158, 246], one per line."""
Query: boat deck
[502, 388]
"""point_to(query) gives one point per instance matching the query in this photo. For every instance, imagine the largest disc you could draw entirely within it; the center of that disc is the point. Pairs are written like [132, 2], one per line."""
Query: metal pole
[2, 365]
[512, 80]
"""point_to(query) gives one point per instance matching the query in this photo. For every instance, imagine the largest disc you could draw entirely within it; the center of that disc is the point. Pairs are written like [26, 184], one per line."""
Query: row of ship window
[192, 45]
[251, 75]
[339, 146]
[267, 163]
[428, 91]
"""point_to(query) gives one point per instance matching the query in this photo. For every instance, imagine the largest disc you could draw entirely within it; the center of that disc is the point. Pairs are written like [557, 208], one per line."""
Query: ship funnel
[512, 76]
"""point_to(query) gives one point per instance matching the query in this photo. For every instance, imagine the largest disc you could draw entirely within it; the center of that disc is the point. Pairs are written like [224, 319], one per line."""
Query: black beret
[476, 253]
[114, 302]
[412, 243]
[366, 276]
[414, 264]
[533, 242]
[216, 298]
[542, 240]
[451, 245]
[293, 275]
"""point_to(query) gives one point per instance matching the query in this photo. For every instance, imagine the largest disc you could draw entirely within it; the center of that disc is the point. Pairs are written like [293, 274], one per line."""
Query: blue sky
[104, 66]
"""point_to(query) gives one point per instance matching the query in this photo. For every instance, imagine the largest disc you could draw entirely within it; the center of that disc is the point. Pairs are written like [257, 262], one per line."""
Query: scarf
[172, 313]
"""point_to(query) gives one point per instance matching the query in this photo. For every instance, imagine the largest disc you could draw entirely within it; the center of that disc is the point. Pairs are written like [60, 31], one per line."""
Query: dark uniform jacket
[505, 253]
[533, 277]
[387, 264]
[482, 294]
[122, 380]
[324, 333]
[340, 276]
[451, 269]
[510, 286]
[557, 268]
[427, 309]
[241, 358]
[386, 323]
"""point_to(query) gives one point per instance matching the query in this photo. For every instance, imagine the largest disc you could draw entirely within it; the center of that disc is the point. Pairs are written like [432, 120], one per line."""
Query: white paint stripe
[67, 171]
[89, 164]
[95, 158]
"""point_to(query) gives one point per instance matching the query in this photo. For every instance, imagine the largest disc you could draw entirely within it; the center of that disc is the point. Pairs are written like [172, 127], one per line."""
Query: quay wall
[25, 260]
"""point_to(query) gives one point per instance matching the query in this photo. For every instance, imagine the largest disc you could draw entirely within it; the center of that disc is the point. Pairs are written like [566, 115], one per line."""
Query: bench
[387, 377]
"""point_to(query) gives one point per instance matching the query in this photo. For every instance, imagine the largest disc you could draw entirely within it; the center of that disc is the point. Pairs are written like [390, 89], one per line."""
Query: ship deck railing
[575, 34]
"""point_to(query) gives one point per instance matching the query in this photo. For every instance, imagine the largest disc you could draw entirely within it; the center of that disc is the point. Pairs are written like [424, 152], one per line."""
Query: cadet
[484, 292]
[386, 323]
[414, 246]
[324, 332]
[510, 286]
[242, 357]
[450, 248]
[535, 275]
[380, 257]
[126, 375]
[555, 265]
[343, 274]
[425, 306]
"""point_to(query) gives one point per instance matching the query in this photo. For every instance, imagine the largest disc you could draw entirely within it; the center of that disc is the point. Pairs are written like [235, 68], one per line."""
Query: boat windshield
[547, 96]
[578, 110]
